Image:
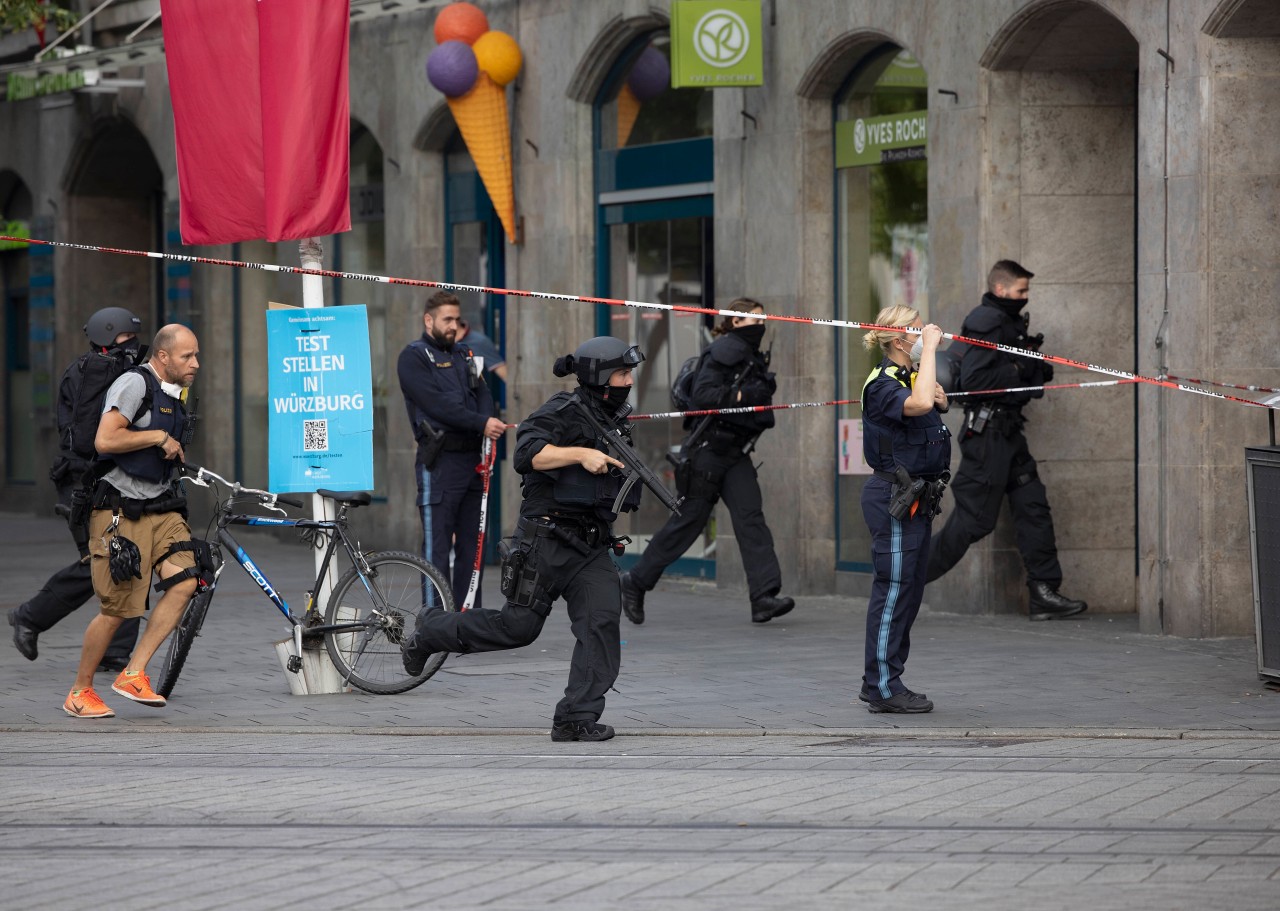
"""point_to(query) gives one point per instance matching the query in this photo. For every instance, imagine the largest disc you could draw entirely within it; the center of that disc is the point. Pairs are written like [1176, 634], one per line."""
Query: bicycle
[373, 607]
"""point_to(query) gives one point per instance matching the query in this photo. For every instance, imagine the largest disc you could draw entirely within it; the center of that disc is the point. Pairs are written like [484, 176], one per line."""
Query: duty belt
[582, 532]
[461, 442]
[893, 479]
[107, 497]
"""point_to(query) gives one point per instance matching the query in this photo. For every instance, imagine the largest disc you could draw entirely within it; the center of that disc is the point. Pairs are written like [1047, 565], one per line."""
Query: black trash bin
[1262, 469]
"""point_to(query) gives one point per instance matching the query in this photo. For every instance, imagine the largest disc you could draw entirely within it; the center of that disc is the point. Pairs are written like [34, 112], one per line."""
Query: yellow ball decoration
[498, 55]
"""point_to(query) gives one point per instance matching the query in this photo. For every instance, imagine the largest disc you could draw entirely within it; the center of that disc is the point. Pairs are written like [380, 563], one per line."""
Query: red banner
[261, 113]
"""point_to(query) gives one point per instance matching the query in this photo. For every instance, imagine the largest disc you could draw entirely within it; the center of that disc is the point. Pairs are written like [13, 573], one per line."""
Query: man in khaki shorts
[138, 525]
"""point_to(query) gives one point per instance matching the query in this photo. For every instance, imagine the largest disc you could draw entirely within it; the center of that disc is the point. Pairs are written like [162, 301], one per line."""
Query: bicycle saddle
[360, 498]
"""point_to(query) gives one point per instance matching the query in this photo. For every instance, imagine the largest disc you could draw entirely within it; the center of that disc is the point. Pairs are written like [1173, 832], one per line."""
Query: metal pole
[311, 255]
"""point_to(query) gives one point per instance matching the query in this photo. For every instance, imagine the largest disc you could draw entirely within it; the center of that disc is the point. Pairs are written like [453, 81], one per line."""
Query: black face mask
[610, 398]
[752, 334]
[1010, 305]
[131, 349]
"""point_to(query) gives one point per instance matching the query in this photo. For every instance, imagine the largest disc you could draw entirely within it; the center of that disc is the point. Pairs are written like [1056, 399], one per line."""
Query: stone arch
[1060, 181]
[836, 61]
[1060, 35]
[1244, 19]
[114, 194]
[113, 159]
[618, 34]
[15, 195]
[436, 129]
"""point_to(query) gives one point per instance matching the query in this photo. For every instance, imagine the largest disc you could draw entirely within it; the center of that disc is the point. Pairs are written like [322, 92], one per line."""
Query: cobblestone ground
[270, 821]
[1068, 765]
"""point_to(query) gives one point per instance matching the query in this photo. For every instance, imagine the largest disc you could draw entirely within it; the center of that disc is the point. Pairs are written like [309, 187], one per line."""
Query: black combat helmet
[107, 323]
[596, 360]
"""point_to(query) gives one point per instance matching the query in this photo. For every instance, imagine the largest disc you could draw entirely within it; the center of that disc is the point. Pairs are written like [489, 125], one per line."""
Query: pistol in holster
[905, 498]
[430, 444]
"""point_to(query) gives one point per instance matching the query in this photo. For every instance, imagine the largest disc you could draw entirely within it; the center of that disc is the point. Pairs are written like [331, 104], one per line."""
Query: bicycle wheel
[386, 603]
[180, 642]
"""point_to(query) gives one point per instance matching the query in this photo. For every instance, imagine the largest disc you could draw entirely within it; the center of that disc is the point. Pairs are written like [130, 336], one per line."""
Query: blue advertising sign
[320, 399]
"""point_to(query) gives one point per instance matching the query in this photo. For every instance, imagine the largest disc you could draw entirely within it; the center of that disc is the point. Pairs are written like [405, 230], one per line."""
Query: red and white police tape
[754, 409]
[640, 305]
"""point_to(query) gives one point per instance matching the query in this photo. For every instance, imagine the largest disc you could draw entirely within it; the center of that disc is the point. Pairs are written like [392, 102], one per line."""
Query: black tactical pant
[993, 465]
[587, 579]
[717, 474]
[68, 589]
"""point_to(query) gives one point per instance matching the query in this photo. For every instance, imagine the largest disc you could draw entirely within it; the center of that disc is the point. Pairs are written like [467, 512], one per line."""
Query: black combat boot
[591, 731]
[1048, 604]
[24, 637]
[765, 609]
[415, 657]
[632, 599]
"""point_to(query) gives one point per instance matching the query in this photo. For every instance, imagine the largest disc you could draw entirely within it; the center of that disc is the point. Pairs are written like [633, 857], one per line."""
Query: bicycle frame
[337, 534]
[335, 530]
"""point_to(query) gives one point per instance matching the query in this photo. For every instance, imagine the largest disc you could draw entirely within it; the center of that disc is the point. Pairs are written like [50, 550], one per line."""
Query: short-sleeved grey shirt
[126, 395]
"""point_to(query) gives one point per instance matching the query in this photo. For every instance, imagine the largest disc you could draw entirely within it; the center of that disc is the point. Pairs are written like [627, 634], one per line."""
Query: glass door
[665, 261]
[475, 255]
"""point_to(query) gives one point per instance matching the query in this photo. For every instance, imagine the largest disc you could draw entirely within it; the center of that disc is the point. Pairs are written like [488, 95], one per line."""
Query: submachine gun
[636, 470]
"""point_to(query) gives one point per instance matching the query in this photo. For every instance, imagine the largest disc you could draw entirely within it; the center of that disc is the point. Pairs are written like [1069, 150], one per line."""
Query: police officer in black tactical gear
[994, 459]
[451, 412]
[113, 338]
[563, 539]
[908, 447]
[734, 372]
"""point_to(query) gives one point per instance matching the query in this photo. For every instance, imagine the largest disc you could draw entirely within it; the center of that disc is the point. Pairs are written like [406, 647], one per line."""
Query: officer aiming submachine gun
[623, 451]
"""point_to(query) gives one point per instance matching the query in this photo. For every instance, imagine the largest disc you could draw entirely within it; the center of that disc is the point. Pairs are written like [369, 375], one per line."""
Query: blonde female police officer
[903, 437]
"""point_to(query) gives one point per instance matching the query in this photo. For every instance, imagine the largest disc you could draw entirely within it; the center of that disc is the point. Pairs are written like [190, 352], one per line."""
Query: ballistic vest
[921, 444]
[167, 414]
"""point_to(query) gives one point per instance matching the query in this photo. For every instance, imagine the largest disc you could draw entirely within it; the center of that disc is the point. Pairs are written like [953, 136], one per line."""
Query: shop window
[882, 212]
[655, 229]
[21, 459]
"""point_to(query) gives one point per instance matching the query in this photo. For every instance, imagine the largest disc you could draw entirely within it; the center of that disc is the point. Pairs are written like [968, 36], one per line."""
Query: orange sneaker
[136, 685]
[86, 703]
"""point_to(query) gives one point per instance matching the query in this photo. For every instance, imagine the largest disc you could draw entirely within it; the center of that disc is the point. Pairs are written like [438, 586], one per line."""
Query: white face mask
[917, 350]
[173, 390]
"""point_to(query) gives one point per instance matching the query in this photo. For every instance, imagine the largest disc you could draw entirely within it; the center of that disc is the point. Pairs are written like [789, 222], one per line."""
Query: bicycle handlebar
[202, 476]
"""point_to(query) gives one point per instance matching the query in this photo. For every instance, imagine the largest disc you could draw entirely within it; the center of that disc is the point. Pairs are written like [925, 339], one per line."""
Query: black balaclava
[752, 333]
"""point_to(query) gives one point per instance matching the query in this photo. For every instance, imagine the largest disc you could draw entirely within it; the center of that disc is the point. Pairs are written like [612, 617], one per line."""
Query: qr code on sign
[315, 436]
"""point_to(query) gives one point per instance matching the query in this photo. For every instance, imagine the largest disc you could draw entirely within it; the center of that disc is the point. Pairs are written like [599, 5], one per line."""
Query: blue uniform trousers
[899, 557]
[449, 505]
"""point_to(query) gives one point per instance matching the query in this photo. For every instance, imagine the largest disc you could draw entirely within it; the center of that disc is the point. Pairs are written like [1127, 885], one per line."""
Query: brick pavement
[697, 665]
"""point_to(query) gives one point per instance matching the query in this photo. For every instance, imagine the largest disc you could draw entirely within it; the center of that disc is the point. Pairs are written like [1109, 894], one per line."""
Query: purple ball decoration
[651, 75]
[452, 68]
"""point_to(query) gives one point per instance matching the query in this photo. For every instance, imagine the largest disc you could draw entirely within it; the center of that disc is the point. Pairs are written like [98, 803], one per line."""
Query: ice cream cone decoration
[649, 77]
[481, 115]
[628, 111]
[472, 65]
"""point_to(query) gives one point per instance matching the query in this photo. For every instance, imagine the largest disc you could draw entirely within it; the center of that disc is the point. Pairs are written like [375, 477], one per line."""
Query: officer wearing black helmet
[561, 546]
[114, 347]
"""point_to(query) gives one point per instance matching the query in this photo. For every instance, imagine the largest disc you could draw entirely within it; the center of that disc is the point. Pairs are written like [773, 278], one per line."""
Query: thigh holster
[205, 569]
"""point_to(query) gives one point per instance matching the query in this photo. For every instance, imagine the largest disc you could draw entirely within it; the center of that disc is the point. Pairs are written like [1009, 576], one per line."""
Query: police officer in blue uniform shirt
[451, 412]
[909, 448]
[562, 542]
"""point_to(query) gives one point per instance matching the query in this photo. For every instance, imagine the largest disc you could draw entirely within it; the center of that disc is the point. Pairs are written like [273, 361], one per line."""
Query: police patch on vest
[443, 363]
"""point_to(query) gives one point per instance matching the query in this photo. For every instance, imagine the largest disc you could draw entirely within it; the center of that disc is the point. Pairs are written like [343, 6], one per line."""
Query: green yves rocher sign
[716, 43]
[881, 140]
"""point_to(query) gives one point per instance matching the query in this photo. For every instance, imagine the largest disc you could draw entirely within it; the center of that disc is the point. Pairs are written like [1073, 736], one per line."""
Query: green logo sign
[881, 140]
[14, 229]
[716, 43]
[21, 87]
